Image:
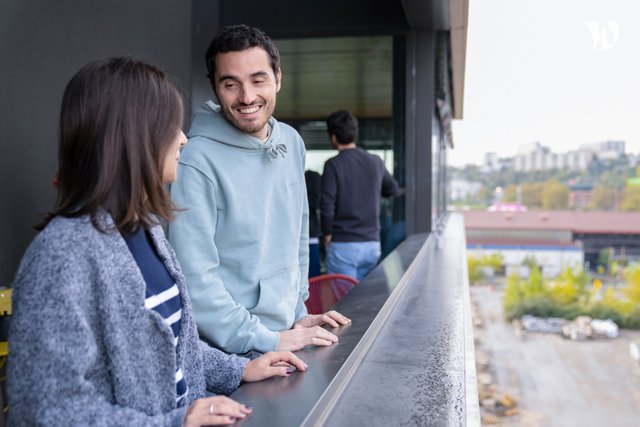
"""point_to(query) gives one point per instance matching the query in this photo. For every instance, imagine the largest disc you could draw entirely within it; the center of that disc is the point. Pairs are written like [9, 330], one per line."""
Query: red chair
[325, 290]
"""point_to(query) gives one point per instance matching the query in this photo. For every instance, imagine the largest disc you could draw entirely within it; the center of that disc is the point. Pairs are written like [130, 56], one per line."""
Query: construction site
[536, 378]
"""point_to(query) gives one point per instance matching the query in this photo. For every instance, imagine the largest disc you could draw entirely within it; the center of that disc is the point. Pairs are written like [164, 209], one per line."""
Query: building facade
[399, 66]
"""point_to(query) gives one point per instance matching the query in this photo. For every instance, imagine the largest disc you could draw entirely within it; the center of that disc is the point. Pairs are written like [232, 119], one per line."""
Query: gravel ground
[558, 382]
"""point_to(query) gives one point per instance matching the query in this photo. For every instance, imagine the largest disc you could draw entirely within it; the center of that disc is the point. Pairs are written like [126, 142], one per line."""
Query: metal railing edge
[472, 404]
[327, 401]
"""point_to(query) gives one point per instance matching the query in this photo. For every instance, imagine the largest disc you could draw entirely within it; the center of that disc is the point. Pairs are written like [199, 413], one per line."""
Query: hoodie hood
[209, 122]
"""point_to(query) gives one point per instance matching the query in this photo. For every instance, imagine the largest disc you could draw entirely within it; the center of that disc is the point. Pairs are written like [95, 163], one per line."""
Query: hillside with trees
[614, 186]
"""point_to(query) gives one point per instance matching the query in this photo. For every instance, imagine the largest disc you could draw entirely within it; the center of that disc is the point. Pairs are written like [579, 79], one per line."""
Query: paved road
[559, 383]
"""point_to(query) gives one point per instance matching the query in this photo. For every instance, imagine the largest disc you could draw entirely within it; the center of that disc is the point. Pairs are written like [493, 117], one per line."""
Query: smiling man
[242, 238]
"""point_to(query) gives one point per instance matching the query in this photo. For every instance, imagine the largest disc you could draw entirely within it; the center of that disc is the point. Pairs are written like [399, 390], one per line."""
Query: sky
[561, 72]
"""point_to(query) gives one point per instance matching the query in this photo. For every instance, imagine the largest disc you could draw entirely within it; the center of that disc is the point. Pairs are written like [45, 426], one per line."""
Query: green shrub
[632, 290]
[475, 270]
[603, 311]
[631, 319]
[476, 266]
[512, 297]
[568, 296]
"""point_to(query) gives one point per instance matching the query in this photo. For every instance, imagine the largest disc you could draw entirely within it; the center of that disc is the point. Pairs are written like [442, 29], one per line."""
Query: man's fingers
[322, 333]
[320, 341]
[332, 318]
[328, 320]
[297, 339]
[334, 315]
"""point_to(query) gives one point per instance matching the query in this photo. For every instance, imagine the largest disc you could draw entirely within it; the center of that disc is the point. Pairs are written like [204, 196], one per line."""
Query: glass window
[321, 75]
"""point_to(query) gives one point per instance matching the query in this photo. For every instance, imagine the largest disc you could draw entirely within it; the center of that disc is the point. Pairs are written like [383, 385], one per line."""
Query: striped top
[162, 294]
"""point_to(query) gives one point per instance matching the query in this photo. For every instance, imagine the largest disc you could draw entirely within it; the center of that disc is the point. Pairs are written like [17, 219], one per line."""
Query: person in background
[313, 181]
[102, 331]
[352, 184]
[243, 234]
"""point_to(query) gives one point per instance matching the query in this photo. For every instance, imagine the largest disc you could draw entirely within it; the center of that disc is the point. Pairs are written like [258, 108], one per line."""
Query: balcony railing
[407, 358]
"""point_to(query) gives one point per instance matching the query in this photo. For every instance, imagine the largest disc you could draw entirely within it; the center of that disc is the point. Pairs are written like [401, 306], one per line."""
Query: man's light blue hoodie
[242, 238]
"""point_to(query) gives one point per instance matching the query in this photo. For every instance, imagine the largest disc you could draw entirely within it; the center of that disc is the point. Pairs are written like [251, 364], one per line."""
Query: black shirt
[313, 182]
[352, 184]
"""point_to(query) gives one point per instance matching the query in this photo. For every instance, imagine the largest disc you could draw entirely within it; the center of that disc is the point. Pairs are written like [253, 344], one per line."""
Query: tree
[630, 199]
[534, 285]
[570, 286]
[510, 193]
[494, 261]
[532, 194]
[603, 198]
[555, 195]
[632, 290]
[512, 297]
[484, 196]
[475, 270]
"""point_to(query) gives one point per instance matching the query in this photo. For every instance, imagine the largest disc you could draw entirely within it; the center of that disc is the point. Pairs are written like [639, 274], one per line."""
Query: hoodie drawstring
[275, 150]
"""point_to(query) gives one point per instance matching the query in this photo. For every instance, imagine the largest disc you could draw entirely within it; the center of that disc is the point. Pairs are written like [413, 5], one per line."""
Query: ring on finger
[211, 409]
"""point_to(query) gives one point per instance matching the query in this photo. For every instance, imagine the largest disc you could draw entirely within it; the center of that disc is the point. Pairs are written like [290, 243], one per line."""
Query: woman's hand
[275, 363]
[214, 411]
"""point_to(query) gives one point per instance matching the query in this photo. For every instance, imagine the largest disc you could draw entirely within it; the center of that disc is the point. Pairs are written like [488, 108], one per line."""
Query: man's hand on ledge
[332, 318]
[308, 331]
[272, 364]
[297, 339]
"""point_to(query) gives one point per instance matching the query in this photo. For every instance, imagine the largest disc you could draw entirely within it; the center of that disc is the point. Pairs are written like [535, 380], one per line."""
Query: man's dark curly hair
[236, 38]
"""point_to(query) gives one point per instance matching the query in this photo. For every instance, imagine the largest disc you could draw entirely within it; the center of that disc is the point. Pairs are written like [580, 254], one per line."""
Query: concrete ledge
[407, 358]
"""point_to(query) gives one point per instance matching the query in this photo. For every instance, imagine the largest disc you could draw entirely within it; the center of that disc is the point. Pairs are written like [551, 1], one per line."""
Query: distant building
[580, 195]
[535, 156]
[507, 207]
[578, 160]
[530, 157]
[554, 239]
[607, 150]
[462, 189]
[491, 162]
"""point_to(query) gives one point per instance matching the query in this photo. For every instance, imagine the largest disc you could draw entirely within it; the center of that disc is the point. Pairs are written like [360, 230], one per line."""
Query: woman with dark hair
[102, 330]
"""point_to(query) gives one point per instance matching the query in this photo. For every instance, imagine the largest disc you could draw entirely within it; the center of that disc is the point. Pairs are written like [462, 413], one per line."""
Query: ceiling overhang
[332, 18]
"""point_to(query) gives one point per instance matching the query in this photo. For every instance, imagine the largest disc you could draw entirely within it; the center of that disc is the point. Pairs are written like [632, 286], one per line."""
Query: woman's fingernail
[248, 408]
[290, 369]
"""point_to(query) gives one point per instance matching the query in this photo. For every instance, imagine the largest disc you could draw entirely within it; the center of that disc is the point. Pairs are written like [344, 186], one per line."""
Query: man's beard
[249, 127]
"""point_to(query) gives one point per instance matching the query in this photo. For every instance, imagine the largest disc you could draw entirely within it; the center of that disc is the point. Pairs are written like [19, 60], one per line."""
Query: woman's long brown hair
[117, 120]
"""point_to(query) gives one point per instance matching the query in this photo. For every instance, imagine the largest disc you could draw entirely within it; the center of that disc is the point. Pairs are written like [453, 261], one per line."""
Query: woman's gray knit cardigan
[84, 350]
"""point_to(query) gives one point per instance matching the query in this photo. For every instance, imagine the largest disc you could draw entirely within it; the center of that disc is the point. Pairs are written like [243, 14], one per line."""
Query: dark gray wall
[42, 43]
[206, 22]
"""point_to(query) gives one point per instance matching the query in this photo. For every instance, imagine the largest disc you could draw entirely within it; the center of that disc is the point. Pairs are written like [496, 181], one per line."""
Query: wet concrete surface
[559, 382]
